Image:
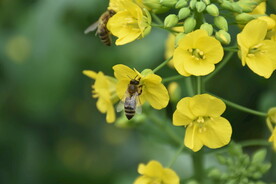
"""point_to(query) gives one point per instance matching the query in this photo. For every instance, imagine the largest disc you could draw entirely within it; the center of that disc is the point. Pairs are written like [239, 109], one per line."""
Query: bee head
[134, 82]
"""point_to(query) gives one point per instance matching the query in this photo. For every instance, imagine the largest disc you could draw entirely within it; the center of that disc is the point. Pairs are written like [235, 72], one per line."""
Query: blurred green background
[50, 129]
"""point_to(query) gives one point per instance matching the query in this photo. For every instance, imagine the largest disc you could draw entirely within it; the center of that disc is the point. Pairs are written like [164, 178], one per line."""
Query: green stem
[166, 129]
[176, 155]
[161, 65]
[173, 78]
[198, 82]
[157, 19]
[189, 86]
[220, 66]
[242, 108]
[198, 165]
[231, 49]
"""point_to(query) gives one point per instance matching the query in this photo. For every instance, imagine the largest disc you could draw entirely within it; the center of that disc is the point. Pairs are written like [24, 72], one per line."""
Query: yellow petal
[131, 36]
[206, 105]
[90, 73]
[261, 65]
[154, 91]
[122, 72]
[191, 139]
[198, 67]
[121, 88]
[101, 105]
[110, 114]
[180, 119]
[153, 169]
[143, 180]
[217, 133]
[183, 106]
[179, 57]
[211, 48]
[253, 33]
[170, 177]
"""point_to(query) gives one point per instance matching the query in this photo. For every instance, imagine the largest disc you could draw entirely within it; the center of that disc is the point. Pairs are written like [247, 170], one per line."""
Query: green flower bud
[174, 92]
[223, 37]
[206, 2]
[189, 24]
[200, 6]
[193, 4]
[243, 18]
[168, 3]
[183, 13]
[232, 6]
[259, 156]
[207, 27]
[155, 6]
[272, 115]
[212, 10]
[214, 173]
[248, 6]
[171, 20]
[181, 4]
[221, 23]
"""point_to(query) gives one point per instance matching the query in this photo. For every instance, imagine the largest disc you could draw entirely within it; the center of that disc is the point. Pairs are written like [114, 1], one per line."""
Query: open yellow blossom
[201, 115]
[154, 173]
[129, 24]
[104, 89]
[153, 91]
[197, 53]
[256, 52]
[273, 138]
[116, 5]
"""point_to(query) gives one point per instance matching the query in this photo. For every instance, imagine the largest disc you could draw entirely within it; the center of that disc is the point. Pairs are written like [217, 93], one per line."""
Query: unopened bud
[168, 3]
[174, 91]
[248, 6]
[243, 18]
[232, 6]
[189, 25]
[200, 6]
[221, 23]
[272, 114]
[171, 20]
[270, 22]
[207, 2]
[155, 6]
[183, 13]
[181, 4]
[193, 4]
[259, 156]
[207, 27]
[223, 37]
[212, 10]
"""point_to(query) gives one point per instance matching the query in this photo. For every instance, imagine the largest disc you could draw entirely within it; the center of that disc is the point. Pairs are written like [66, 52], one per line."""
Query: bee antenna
[129, 77]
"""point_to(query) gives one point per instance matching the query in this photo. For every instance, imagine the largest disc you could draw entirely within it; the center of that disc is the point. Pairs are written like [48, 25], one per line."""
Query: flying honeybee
[131, 103]
[102, 30]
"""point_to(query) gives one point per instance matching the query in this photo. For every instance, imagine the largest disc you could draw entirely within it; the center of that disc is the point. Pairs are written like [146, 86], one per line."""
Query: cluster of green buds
[240, 167]
[192, 15]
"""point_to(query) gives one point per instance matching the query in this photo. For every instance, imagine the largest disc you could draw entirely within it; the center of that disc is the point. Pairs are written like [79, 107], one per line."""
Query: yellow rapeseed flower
[104, 89]
[153, 91]
[272, 33]
[201, 115]
[256, 52]
[197, 53]
[273, 138]
[129, 24]
[154, 173]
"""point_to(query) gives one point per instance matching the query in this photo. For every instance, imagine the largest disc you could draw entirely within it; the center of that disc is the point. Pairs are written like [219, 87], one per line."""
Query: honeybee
[131, 102]
[102, 30]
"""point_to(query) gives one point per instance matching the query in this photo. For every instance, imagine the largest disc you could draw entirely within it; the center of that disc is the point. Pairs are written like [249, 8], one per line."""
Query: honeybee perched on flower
[102, 30]
[130, 102]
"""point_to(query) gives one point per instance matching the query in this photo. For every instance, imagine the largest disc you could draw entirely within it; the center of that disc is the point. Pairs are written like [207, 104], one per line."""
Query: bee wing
[138, 104]
[92, 27]
[120, 106]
